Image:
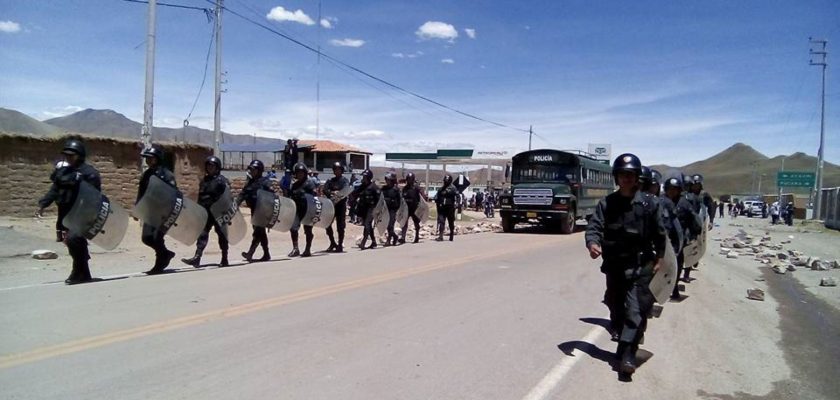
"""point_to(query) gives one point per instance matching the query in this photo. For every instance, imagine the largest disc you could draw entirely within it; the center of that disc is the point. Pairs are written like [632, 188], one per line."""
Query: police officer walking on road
[627, 232]
[445, 200]
[64, 190]
[367, 196]
[154, 236]
[256, 182]
[703, 198]
[302, 186]
[391, 194]
[332, 188]
[210, 190]
[413, 195]
[689, 224]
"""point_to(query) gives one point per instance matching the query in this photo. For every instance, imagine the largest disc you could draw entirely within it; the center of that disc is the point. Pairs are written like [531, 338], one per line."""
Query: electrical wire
[204, 77]
[206, 10]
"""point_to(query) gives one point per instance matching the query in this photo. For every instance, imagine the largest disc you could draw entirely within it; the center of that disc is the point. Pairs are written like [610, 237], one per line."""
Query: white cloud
[9, 27]
[347, 42]
[55, 112]
[436, 30]
[447, 61]
[366, 135]
[280, 14]
[470, 32]
[408, 55]
[327, 23]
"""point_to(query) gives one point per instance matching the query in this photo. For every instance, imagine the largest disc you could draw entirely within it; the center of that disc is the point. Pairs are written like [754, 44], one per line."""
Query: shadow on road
[603, 323]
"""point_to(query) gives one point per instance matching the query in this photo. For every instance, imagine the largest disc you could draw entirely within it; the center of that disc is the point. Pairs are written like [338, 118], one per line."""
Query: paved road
[490, 316]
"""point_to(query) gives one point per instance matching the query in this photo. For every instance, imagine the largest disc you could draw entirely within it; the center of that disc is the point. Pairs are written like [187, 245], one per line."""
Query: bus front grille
[532, 197]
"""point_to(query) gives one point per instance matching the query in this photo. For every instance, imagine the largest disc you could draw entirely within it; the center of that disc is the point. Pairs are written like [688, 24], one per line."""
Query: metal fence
[830, 207]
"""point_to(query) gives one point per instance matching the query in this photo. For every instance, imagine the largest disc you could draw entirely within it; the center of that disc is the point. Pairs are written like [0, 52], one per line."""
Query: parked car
[756, 209]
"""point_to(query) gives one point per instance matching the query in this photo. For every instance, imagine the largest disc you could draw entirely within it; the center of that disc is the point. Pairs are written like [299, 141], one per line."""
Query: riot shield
[227, 216]
[704, 216]
[164, 207]
[381, 216]
[662, 284]
[402, 213]
[97, 218]
[423, 211]
[273, 212]
[342, 194]
[319, 212]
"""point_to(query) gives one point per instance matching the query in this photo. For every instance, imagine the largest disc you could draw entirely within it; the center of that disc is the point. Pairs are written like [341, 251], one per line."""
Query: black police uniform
[367, 196]
[445, 200]
[210, 190]
[632, 236]
[692, 226]
[64, 190]
[153, 236]
[412, 196]
[259, 237]
[299, 190]
[392, 197]
[334, 185]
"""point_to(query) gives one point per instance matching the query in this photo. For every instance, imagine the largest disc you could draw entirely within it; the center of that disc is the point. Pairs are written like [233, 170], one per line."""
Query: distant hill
[12, 121]
[113, 124]
[738, 169]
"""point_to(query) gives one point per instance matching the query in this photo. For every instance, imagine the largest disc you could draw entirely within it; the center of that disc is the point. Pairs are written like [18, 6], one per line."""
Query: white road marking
[556, 375]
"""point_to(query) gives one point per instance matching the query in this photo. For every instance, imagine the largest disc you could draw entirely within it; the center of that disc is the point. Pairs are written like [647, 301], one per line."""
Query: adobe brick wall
[26, 163]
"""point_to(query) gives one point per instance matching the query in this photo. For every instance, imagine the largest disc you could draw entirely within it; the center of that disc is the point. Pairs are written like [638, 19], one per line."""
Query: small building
[322, 154]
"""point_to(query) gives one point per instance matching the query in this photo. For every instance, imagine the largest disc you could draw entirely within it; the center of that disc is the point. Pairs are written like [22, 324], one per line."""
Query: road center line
[76, 346]
[556, 375]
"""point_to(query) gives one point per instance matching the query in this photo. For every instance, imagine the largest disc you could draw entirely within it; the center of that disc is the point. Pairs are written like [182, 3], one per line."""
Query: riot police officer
[687, 222]
[651, 180]
[367, 197]
[52, 195]
[704, 198]
[333, 189]
[210, 190]
[627, 232]
[445, 200]
[690, 200]
[64, 190]
[391, 194]
[413, 195]
[302, 186]
[153, 236]
[255, 182]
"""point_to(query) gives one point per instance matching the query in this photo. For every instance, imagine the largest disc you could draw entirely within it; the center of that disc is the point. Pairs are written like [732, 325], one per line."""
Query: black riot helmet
[213, 160]
[257, 166]
[687, 182]
[338, 165]
[300, 167]
[646, 177]
[410, 178]
[673, 182]
[367, 175]
[697, 179]
[447, 179]
[153, 151]
[75, 146]
[627, 162]
[655, 177]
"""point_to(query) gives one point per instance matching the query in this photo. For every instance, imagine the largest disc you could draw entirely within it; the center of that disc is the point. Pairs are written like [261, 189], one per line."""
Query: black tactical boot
[195, 261]
[295, 252]
[627, 364]
[224, 262]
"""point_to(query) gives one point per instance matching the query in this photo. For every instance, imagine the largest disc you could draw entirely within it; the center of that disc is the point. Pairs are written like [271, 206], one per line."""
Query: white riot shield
[381, 216]
[319, 212]
[342, 194]
[704, 216]
[164, 207]
[402, 213]
[97, 218]
[422, 211]
[273, 212]
[227, 216]
[662, 284]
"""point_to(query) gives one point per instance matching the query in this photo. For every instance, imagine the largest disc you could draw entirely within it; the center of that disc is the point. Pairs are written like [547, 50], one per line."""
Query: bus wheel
[507, 225]
[567, 225]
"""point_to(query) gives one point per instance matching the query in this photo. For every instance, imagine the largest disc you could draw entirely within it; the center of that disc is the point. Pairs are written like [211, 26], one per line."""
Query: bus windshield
[543, 173]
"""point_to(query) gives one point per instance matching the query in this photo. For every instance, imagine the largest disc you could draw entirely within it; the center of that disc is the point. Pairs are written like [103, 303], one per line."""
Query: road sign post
[795, 179]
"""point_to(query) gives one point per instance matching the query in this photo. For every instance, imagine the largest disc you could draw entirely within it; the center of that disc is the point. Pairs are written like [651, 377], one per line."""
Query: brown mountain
[12, 121]
[739, 169]
[113, 124]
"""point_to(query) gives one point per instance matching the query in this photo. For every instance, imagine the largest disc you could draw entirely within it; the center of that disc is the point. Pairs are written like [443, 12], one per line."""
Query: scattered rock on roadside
[828, 282]
[779, 269]
[732, 254]
[755, 294]
[791, 267]
[44, 255]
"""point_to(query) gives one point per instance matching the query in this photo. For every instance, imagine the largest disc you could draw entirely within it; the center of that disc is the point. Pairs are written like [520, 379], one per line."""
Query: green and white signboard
[795, 179]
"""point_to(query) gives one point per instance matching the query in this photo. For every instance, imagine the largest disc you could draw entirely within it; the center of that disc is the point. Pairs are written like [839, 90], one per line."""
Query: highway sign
[795, 179]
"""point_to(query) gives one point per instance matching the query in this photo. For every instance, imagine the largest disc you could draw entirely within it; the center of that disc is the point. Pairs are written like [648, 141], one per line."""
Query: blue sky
[674, 82]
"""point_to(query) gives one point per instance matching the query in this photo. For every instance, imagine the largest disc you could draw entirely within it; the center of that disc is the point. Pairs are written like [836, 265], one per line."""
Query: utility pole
[217, 115]
[530, 133]
[822, 58]
[148, 105]
[318, 79]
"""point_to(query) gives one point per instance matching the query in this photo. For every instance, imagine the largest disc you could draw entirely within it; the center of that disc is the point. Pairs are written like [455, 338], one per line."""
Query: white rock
[828, 281]
[779, 269]
[791, 267]
[44, 255]
[732, 254]
[755, 294]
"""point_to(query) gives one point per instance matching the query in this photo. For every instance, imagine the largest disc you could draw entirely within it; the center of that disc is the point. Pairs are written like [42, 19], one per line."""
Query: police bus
[554, 188]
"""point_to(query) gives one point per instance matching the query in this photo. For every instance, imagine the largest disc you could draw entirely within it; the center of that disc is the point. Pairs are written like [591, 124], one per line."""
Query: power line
[204, 76]
[373, 77]
[207, 11]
